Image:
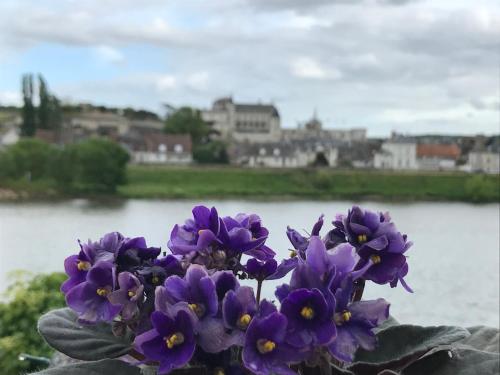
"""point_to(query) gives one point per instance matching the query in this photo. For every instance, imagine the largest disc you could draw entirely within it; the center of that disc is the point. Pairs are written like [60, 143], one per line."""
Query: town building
[411, 153]
[398, 153]
[437, 157]
[485, 159]
[243, 122]
[313, 129]
[285, 154]
[9, 135]
[160, 148]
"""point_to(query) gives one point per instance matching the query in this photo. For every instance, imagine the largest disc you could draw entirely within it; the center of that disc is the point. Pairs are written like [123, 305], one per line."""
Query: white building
[487, 161]
[9, 135]
[397, 154]
[296, 154]
[159, 148]
[243, 122]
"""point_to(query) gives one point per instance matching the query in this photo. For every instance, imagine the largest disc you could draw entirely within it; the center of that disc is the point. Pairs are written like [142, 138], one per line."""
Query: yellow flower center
[293, 253]
[131, 293]
[219, 371]
[200, 232]
[244, 321]
[175, 339]
[362, 238]
[155, 279]
[103, 292]
[198, 309]
[265, 346]
[346, 316]
[83, 266]
[375, 259]
[307, 312]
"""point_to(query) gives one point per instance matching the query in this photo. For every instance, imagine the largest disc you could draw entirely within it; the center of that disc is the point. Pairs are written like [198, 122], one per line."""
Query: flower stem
[259, 287]
[358, 291]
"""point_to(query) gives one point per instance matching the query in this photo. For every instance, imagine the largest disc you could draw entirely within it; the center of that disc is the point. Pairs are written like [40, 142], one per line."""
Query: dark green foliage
[25, 301]
[28, 126]
[187, 120]
[28, 158]
[480, 187]
[100, 165]
[64, 333]
[49, 109]
[104, 367]
[211, 153]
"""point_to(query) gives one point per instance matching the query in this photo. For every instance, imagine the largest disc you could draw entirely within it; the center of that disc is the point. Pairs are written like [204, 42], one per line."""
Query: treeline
[47, 115]
[186, 120]
[94, 165]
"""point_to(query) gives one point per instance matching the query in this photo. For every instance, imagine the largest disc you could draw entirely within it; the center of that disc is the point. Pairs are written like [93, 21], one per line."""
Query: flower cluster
[188, 307]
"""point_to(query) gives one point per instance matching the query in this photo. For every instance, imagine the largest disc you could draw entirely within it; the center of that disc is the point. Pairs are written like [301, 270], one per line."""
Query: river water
[454, 263]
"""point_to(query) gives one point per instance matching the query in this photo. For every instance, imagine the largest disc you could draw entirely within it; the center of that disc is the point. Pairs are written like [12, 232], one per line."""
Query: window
[262, 151]
[276, 152]
[178, 149]
[162, 148]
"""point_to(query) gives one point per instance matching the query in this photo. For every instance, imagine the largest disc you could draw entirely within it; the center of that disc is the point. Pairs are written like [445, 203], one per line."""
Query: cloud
[306, 67]
[374, 63]
[10, 98]
[198, 80]
[109, 55]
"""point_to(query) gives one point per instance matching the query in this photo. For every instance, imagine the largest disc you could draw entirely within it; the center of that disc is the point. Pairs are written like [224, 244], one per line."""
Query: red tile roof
[438, 151]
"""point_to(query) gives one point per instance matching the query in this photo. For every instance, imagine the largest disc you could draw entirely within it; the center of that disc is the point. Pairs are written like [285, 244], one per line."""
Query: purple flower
[309, 318]
[266, 351]
[130, 294]
[196, 234]
[76, 267]
[379, 244]
[238, 308]
[133, 252]
[90, 298]
[355, 322]
[171, 342]
[244, 234]
[224, 282]
[197, 289]
[261, 270]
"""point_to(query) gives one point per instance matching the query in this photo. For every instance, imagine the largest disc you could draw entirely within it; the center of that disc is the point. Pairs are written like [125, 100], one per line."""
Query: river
[454, 263]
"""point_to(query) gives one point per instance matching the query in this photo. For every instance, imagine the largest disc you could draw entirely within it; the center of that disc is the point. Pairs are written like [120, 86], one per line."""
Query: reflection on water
[454, 264]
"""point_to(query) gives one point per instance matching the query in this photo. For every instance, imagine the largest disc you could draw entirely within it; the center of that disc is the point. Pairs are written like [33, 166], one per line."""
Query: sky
[411, 66]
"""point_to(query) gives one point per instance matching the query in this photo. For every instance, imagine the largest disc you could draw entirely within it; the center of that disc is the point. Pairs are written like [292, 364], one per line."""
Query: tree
[100, 165]
[28, 157]
[49, 110]
[25, 301]
[28, 127]
[213, 152]
[187, 120]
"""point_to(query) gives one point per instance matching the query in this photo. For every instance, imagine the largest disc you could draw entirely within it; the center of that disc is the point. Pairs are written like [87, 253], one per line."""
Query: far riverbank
[145, 182]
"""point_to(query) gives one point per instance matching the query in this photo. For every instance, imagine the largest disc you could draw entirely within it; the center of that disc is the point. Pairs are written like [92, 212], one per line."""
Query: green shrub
[27, 158]
[100, 165]
[481, 188]
[25, 301]
[213, 152]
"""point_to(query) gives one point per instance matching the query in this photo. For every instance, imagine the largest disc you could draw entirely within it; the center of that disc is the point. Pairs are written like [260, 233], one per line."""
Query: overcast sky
[411, 66]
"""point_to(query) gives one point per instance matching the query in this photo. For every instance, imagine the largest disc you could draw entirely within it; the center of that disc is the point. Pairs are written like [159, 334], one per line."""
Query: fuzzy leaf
[397, 342]
[62, 331]
[103, 367]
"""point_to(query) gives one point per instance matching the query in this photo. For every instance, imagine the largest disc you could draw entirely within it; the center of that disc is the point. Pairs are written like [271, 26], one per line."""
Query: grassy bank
[272, 184]
[226, 182]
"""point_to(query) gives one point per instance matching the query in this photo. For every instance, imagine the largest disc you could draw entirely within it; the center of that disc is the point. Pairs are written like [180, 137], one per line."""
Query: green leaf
[398, 342]
[61, 329]
[103, 367]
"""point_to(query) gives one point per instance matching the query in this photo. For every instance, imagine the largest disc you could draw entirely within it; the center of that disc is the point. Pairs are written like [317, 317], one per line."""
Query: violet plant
[187, 310]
